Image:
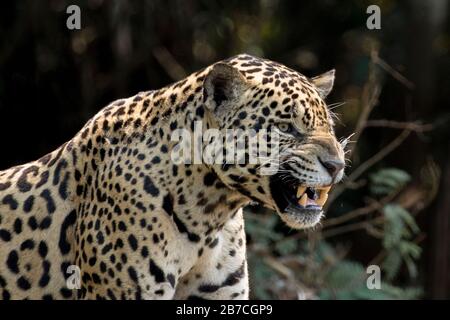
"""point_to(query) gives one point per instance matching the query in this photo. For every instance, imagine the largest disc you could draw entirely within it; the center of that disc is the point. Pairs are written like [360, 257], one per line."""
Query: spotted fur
[112, 202]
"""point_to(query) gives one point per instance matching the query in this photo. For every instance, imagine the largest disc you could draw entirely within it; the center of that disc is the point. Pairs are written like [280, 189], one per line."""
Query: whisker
[335, 105]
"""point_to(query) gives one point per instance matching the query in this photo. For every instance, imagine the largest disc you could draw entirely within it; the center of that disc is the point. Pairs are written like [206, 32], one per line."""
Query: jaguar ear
[324, 83]
[222, 87]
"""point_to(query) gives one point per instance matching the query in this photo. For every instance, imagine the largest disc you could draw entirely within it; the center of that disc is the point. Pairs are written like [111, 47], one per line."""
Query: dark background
[52, 80]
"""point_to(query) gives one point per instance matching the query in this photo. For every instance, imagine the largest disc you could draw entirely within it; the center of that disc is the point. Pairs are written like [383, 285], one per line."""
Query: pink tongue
[310, 202]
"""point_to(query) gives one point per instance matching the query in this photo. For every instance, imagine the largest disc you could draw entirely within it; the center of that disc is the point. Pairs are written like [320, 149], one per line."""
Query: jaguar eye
[285, 127]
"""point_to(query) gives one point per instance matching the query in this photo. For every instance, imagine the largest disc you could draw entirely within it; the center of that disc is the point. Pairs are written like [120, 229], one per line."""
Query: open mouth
[295, 198]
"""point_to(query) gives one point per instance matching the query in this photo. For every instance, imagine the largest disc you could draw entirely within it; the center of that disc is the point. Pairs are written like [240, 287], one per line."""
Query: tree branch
[412, 126]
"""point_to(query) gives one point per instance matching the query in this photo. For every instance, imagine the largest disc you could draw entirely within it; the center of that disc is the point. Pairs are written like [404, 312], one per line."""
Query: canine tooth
[322, 199]
[303, 200]
[300, 191]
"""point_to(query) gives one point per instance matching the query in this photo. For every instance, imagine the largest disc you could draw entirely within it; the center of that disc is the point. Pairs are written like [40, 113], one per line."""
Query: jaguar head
[294, 158]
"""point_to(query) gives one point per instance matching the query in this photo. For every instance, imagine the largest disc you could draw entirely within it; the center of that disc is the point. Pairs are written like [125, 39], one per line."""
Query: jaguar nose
[333, 166]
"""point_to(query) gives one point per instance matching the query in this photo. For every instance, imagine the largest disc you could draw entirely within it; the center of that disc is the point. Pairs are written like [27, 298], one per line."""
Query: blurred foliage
[398, 230]
[387, 180]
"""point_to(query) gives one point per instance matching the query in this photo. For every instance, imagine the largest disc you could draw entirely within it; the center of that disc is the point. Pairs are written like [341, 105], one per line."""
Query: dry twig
[394, 73]
[412, 126]
[169, 63]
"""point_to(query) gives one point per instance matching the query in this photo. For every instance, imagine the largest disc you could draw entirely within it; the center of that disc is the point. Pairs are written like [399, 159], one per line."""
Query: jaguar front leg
[221, 273]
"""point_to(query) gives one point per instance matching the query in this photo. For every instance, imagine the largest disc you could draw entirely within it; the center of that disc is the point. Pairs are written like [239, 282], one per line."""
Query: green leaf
[391, 264]
[387, 180]
[393, 227]
[407, 218]
[411, 265]
[408, 248]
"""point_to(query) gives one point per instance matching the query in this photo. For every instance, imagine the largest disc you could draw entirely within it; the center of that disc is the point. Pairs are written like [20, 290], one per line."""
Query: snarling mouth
[301, 201]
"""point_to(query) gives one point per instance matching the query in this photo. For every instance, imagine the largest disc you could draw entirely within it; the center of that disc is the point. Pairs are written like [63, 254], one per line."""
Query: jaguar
[112, 204]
